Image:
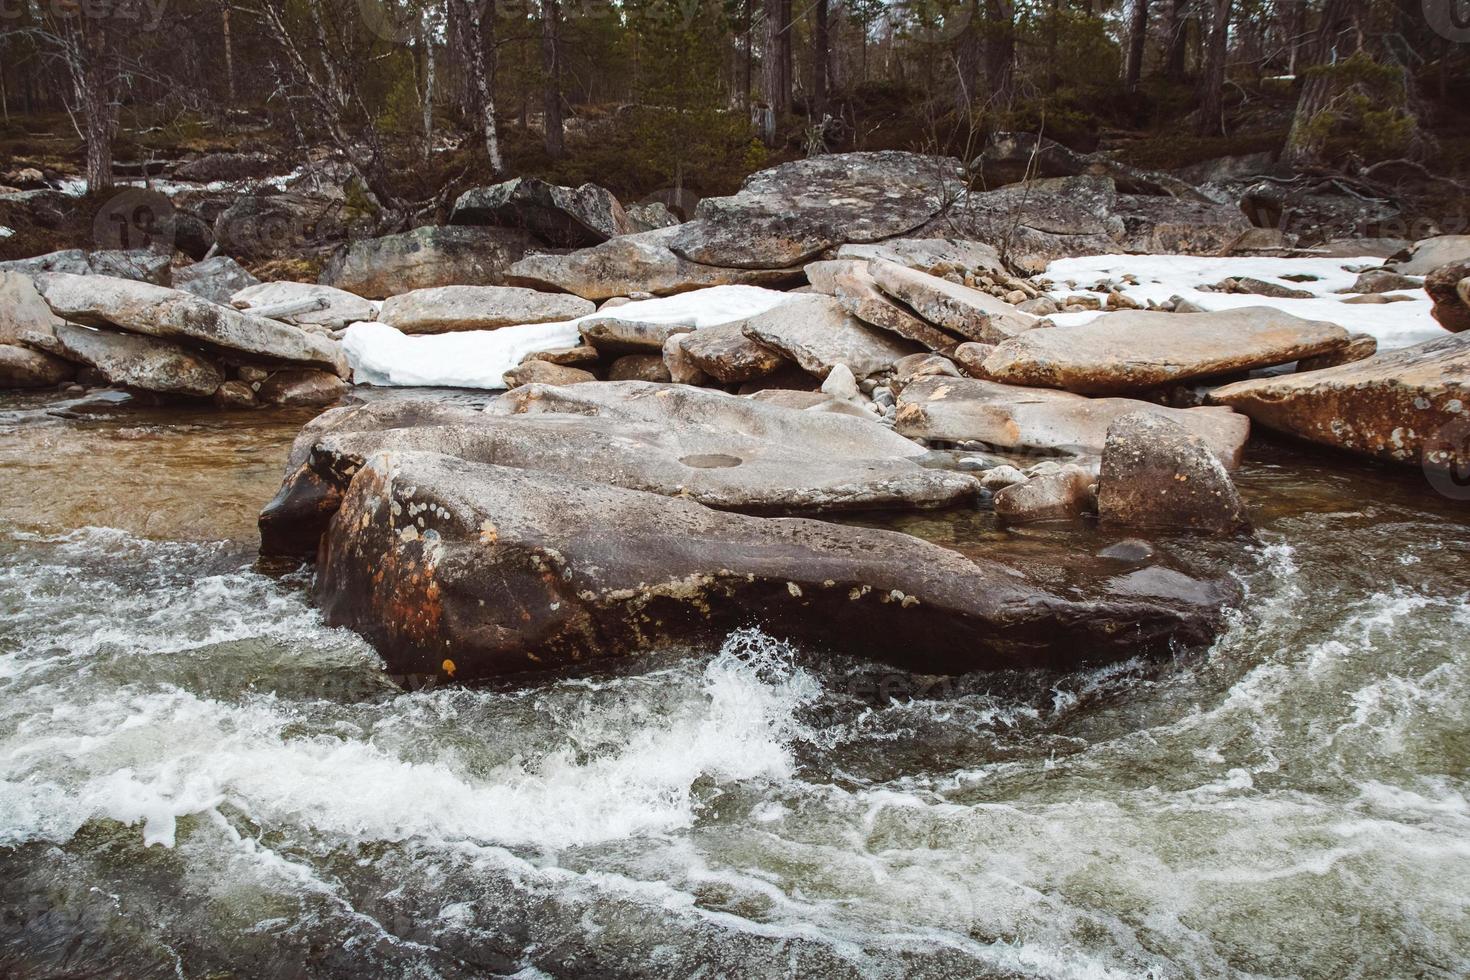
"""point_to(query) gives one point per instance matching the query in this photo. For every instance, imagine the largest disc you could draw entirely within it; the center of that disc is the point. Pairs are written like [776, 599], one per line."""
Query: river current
[199, 778]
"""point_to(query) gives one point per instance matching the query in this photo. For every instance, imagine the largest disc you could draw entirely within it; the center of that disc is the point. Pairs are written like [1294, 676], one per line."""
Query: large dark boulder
[460, 571]
[424, 258]
[271, 225]
[569, 217]
[785, 215]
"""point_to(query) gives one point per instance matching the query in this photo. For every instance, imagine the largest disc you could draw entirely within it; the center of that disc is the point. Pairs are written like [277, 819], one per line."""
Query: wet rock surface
[461, 569]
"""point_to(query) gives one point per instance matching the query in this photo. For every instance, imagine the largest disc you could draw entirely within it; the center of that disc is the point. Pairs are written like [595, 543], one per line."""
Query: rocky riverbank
[692, 405]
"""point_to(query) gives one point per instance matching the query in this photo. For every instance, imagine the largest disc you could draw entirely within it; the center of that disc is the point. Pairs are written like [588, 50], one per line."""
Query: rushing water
[198, 778]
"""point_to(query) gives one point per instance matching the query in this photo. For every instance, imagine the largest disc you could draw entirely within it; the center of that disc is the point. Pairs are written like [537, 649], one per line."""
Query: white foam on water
[382, 355]
[151, 758]
[1393, 325]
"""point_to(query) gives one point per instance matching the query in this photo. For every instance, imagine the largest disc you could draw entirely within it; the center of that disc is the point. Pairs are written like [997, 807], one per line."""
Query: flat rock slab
[445, 309]
[1014, 418]
[425, 257]
[340, 310]
[1410, 405]
[613, 336]
[1136, 350]
[564, 216]
[818, 334]
[718, 466]
[462, 571]
[636, 263]
[936, 256]
[952, 306]
[788, 213]
[138, 361]
[804, 433]
[172, 314]
[1432, 253]
[726, 354]
[859, 295]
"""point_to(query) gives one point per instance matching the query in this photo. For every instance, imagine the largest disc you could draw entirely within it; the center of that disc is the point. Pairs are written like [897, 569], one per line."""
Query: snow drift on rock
[1159, 277]
[380, 355]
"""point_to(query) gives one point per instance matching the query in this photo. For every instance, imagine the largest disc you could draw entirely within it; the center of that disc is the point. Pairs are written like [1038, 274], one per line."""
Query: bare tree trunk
[224, 16]
[748, 7]
[1178, 42]
[1210, 121]
[967, 62]
[1137, 36]
[551, 67]
[91, 59]
[821, 60]
[788, 78]
[1000, 50]
[481, 72]
[774, 79]
[1302, 145]
[426, 41]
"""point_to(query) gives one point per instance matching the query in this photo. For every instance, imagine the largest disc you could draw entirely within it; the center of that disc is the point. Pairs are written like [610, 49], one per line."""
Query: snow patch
[1393, 325]
[382, 355]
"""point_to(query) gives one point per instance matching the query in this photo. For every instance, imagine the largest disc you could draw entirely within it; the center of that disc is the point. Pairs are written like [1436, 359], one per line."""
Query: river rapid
[198, 778]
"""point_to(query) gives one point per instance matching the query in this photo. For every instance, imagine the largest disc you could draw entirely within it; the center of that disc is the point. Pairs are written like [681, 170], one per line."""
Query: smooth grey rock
[1063, 495]
[342, 308]
[639, 367]
[613, 336]
[172, 314]
[818, 334]
[859, 295]
[682, 405]
[545, 372]
[682, 370]
[144, 362]
[634, 263]
[1014, 418]
[1433, 253]
[750, 469]
[444, 309]
[936, 256]
[22, 310]
[1135, 350]
[960, 310]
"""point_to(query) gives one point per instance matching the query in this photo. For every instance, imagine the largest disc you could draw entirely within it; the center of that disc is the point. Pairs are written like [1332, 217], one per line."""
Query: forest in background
[424, 97]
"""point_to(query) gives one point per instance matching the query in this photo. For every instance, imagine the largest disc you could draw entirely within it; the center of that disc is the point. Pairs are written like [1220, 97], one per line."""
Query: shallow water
[197, 777]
